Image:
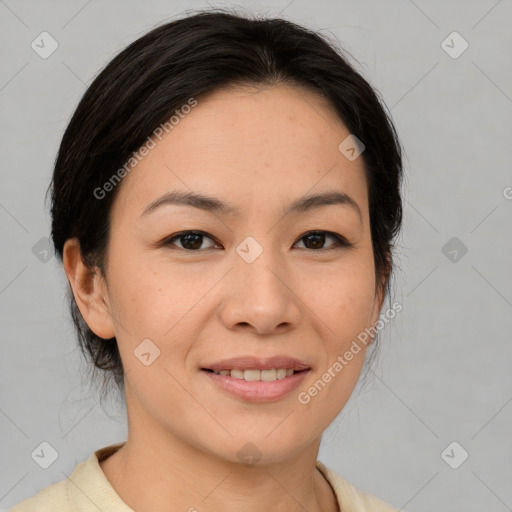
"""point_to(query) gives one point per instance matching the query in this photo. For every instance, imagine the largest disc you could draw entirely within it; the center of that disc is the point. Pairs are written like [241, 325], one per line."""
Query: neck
[161, 473]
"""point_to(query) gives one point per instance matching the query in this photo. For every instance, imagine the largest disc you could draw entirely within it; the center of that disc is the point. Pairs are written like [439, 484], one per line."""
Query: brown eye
[315, 240]
[190, 240]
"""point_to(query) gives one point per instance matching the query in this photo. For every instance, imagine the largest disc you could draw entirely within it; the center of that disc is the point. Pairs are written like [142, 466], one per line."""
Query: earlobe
[89, 290]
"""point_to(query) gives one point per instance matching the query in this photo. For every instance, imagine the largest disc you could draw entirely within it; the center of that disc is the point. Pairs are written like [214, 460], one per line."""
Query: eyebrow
[214, 205]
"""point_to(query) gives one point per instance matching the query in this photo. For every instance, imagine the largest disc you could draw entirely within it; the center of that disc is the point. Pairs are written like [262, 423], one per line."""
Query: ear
[89, 289]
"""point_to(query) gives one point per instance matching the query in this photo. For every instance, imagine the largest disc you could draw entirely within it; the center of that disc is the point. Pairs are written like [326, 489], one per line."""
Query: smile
[255, 374]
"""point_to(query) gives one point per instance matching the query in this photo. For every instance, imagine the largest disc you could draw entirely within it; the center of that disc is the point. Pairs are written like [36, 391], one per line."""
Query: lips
[257, 380]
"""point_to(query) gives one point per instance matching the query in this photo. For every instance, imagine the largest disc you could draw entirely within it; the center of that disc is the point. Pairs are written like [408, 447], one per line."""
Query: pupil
[318, 240]
[196, 241]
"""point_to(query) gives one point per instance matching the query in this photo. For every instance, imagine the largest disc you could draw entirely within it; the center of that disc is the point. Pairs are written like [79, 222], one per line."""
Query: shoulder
[86, 489]
[51, 498]
[350, 498]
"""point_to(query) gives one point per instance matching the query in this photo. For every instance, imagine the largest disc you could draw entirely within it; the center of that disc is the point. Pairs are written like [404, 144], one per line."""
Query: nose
[260, 296]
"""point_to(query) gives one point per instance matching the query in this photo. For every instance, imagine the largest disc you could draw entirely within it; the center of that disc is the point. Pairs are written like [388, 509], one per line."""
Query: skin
[259, 149]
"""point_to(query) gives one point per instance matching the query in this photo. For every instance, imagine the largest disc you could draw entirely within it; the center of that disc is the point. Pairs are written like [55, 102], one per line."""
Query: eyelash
[341, 242]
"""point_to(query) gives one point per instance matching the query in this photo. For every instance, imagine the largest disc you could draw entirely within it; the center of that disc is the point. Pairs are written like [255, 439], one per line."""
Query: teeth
[268, 375]
[281, 373]
[252, 375]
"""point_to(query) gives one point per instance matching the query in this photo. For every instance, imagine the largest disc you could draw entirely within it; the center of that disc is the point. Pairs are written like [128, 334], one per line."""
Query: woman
[224, 202]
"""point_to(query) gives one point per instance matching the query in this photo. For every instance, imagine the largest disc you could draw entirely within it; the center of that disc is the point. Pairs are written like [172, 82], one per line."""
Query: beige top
[90, 491]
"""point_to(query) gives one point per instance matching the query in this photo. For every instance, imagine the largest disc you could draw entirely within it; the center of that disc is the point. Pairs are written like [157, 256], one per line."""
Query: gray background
[444, 370]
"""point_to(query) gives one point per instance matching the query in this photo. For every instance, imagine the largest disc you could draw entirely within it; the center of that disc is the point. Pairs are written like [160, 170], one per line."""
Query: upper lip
[251, 363]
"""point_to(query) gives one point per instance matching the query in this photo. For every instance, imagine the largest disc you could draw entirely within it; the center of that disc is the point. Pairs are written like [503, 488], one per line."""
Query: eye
[316, 239]
[192, 240]
[189, 240]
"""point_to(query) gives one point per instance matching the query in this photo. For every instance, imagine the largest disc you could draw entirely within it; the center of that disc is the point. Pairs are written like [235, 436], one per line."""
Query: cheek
[150, 298]
[345, 316]
[344, 301]
[165, 304]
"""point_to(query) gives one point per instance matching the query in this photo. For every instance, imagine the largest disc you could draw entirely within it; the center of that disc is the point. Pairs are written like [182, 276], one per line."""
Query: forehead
[249, 145]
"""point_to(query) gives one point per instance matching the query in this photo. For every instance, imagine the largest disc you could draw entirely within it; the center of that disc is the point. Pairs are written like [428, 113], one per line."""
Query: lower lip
[258, 390]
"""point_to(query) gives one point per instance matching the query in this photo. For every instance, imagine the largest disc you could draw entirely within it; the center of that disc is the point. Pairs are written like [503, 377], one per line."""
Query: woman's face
[256, 283]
